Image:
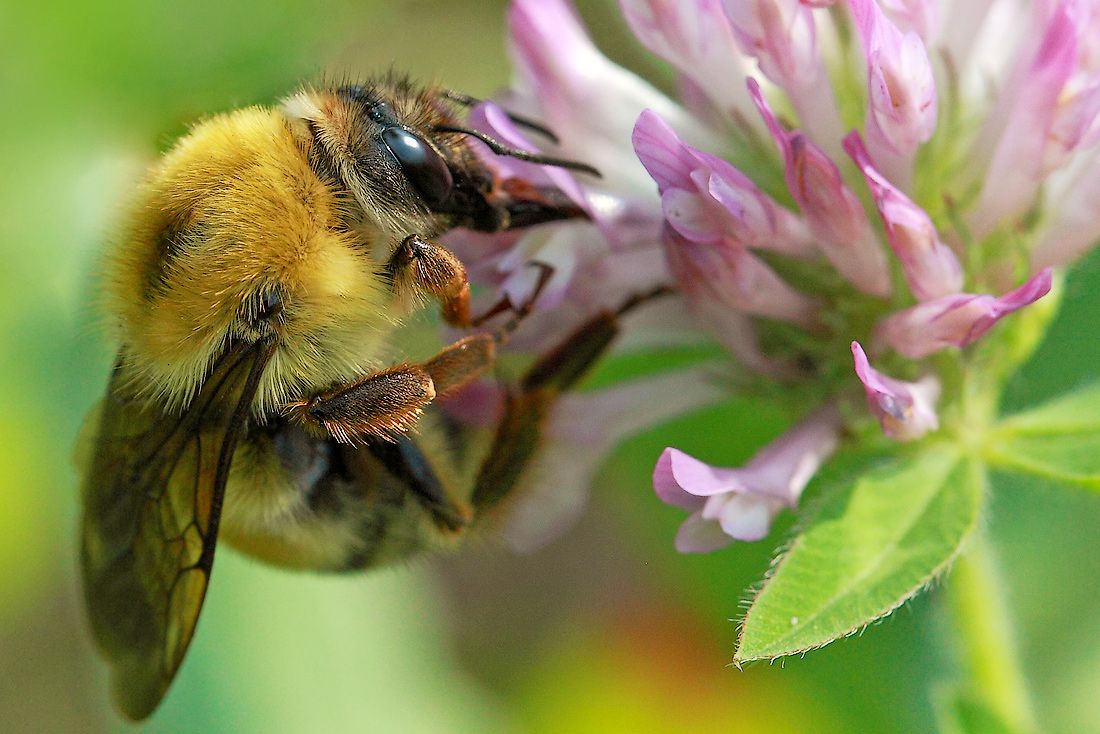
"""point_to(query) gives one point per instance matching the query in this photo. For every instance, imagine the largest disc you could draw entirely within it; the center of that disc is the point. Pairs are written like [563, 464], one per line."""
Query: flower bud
[956, 321]
[901, 112]
[905, 410]
[835, 216]
[931, 268]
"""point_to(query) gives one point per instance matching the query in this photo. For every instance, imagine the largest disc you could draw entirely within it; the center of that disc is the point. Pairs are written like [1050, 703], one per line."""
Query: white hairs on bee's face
[298, 108]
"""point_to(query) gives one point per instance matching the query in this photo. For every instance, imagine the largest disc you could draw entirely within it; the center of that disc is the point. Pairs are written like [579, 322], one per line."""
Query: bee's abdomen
[297, 500]
[301, 501]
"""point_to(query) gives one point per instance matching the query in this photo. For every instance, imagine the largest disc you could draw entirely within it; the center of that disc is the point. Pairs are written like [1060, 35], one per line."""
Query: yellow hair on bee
[234, 212]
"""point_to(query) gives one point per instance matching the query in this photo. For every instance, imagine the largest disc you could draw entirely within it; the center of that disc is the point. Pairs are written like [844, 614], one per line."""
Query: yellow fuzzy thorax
[232, 212]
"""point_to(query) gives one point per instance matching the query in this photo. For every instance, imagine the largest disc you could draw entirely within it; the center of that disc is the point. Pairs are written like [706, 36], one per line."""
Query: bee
[258, 395]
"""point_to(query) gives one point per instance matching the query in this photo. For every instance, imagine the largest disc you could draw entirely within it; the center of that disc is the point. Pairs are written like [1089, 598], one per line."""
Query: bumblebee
[258, 395]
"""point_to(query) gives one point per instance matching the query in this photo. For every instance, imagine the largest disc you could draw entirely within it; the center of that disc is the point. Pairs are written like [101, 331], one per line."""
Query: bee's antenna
[500, 149]
[467, 101]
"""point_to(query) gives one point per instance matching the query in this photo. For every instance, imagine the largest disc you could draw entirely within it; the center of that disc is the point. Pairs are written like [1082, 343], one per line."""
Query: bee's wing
[152, 499]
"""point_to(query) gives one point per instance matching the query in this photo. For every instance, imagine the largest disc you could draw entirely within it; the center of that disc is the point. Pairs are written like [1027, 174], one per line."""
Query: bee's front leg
[419, 265]
[387, 403]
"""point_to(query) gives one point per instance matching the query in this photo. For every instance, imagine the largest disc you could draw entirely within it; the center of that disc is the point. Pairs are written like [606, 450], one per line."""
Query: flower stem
[987, 645]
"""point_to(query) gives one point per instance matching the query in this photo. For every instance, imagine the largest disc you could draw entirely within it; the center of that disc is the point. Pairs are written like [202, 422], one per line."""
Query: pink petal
[601, 279]
[783, 468]
[691, 216]
[590, 102]
[581, 431]
[550, 498]
[696, 38]
[752, 217]
[661, 152]
[680, 479]
[1073, 228]
[780, 35]
[489, 116]
[833, 212]
[931, 268]
[699, 535]
[743, 502]
[746, 517]
[553, 246]
[904, 409]
[902, 93]
[1030, 292]
[668, 489]
[918, 16]
[711, 197]
[1016, 169]
[957, 320]
[963, 34]
[729, 274]
[1074, 125]
[598, 420]
[779, 471]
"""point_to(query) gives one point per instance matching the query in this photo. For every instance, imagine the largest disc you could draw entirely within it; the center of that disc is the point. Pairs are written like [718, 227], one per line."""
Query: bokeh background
[606, 630]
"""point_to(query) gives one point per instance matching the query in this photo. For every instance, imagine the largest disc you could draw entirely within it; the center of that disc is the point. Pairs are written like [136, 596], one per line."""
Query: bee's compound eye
[425, 168]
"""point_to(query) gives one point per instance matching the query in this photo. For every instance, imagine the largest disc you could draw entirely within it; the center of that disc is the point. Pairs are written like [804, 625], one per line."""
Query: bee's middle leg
[386, 403]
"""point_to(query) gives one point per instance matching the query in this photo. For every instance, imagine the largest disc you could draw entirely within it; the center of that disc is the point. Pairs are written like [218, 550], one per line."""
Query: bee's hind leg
[375, 413]
[525, 410]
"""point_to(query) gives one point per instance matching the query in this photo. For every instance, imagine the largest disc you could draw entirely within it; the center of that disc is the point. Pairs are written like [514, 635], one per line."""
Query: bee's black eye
[425, 168]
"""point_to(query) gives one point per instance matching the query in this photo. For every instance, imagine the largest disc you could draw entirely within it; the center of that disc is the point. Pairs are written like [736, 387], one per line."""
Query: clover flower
[900, 174]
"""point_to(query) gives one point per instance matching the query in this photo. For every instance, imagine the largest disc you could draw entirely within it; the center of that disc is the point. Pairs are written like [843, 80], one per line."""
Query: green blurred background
[606, 630]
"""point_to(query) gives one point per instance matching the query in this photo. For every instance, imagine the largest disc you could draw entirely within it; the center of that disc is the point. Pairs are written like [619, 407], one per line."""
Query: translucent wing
[152, 499]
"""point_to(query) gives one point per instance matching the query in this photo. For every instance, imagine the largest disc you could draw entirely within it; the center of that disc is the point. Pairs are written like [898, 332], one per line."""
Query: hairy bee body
[302, 501]
[233, 209]
[261, 392]
[234, 212]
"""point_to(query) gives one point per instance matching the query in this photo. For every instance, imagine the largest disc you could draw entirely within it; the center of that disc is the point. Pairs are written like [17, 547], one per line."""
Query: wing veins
[142, 597]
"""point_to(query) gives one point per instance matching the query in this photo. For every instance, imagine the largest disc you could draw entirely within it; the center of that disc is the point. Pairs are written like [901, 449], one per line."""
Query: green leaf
[871, 545]
[1059, 440]
[960, 713]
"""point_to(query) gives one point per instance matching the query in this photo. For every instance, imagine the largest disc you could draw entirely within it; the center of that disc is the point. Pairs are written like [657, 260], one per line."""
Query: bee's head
[408, 163]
